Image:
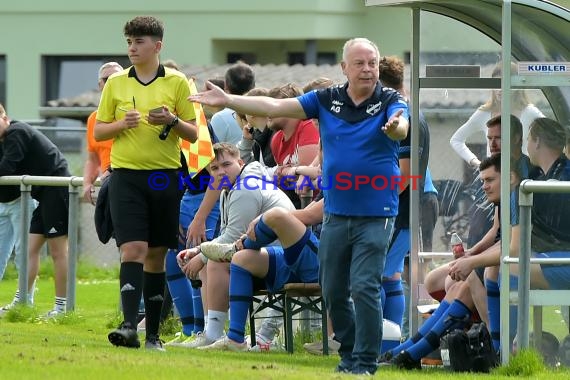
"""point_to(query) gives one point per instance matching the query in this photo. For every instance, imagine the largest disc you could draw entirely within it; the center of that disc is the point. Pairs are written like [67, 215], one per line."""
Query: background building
[52, 49]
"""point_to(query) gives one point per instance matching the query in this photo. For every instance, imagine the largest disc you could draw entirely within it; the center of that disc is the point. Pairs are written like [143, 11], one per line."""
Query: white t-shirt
[478, 122]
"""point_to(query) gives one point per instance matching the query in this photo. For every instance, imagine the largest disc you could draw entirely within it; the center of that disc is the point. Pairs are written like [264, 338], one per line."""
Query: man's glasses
[238, 116]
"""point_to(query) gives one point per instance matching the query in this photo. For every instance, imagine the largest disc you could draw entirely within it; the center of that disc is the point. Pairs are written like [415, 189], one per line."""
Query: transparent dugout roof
[540, 32]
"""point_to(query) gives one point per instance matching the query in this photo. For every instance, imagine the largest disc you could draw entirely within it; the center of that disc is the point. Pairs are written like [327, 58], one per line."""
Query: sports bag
[470, 351]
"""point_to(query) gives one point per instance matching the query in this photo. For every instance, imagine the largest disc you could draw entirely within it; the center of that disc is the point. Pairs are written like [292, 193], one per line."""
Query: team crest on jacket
[373, 109]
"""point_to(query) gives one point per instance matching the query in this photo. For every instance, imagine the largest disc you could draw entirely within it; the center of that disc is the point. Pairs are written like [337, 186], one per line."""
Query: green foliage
[301, 337]
[170, 326]
[526, 363]
[21, 313]
[85, 271]
[31, 314]
[114, 320]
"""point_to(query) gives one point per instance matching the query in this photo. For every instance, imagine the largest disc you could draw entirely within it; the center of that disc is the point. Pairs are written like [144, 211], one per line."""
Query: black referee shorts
[145, 206]
[50, 218]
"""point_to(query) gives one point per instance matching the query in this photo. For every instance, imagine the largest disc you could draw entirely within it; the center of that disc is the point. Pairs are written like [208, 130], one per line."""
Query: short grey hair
[107, 65]
[353, 41]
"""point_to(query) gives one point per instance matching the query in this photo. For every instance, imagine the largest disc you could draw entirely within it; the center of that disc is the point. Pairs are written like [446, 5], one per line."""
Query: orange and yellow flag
[201, 152]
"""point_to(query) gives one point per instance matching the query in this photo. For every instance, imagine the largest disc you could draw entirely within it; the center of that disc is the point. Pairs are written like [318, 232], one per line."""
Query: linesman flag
[201, 153]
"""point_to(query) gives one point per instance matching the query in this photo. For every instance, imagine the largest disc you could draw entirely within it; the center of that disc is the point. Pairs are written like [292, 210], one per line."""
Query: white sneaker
[226, 344]
[263, 344]
[218, 251]
[6, 308]
[200, 340]
[52, 314]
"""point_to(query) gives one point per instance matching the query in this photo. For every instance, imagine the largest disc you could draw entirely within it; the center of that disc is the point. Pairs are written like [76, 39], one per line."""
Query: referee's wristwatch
[173, 122]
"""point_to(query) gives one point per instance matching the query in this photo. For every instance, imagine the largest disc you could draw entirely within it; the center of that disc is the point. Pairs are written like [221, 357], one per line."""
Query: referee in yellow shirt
[144, 109]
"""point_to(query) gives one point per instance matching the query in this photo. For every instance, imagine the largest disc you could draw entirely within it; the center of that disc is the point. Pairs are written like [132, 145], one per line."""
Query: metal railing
[73, 183]
[545, 297]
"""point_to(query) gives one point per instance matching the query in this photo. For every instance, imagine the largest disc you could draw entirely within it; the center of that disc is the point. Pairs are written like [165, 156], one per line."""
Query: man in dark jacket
[28, 152]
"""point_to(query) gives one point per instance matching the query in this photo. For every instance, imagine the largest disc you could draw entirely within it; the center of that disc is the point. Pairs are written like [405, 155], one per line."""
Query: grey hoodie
[249, 197]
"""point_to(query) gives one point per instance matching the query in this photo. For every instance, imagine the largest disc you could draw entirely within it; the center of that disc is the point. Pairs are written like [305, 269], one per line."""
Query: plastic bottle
[457, 246]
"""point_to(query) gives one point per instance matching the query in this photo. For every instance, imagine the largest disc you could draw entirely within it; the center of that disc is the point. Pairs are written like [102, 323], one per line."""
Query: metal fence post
[307, 315]
[525, 202]
[72, 243]
[25, 191]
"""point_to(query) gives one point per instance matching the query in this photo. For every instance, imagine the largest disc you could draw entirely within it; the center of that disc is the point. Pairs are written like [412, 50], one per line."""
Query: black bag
[103, 222]
[470, 351]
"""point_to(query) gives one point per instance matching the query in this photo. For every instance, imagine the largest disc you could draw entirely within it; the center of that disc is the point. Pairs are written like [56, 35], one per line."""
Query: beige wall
[203, 32]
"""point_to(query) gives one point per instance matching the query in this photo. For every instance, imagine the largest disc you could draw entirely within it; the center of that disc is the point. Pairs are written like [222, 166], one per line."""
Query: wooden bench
[291, 301]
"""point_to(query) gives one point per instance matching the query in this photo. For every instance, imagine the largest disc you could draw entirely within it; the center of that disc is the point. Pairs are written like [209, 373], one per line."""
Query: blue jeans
[10, 237]
[352, 253]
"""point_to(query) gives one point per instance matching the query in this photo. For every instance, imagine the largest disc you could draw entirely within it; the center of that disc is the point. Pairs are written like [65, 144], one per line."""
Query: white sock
[31, 293]
[60, 303]
[16, 298]
[216, 323]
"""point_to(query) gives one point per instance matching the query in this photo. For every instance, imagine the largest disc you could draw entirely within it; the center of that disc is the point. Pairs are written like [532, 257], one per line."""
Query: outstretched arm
[250, 105]
[397, 126]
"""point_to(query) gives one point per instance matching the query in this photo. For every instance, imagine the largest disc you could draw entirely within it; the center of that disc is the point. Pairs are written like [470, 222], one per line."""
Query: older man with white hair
[361, 123]
[98, 152]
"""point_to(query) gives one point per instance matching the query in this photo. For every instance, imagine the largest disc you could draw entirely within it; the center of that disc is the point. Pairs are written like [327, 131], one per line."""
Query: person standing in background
[480, 215]
[28, 152]
[393, 299]
[10, 238]
[98, 152]
[521, 108]
[238, 80]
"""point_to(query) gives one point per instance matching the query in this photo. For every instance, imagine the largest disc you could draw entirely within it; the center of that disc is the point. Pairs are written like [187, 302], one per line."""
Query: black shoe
[386, 357]
[405, 361]
[343, 368]
[364, 370]
[153, 342]
[125, 336]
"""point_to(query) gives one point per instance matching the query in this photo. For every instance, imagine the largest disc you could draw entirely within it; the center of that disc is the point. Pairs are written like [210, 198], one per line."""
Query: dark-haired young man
[393, 300]
[239, 79]
[245, 194]
[137, 104]
[455, 308]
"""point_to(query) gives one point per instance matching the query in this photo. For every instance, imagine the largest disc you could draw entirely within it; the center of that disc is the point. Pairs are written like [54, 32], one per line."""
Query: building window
[69, 76]
[3, 80]
[296, 58]
[326, 58]
[323, 58]
[249, 58]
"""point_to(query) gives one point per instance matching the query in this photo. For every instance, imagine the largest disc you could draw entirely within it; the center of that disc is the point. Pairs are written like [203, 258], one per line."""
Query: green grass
[76, 346]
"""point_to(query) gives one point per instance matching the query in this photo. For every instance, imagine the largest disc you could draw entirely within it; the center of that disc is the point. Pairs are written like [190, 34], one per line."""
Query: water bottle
[457, 246]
